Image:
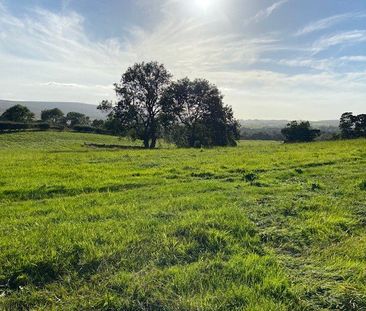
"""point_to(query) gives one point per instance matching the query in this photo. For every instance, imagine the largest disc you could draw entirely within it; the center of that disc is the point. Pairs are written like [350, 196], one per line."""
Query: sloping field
[264, 226]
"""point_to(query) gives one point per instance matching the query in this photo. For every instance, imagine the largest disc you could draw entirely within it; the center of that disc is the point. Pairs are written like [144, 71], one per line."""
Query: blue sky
[272, 59]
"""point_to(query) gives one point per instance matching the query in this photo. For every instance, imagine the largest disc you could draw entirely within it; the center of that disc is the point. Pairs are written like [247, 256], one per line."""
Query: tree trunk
[153, 143]
[146, 143]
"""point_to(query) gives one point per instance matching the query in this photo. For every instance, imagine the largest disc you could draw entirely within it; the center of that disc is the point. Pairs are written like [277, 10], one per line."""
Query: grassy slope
[264, 226]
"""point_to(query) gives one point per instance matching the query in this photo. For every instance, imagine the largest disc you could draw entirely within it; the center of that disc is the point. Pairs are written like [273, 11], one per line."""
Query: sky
[272, 59]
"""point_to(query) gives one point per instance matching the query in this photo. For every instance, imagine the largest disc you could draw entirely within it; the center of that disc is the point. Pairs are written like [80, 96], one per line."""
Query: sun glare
[203, 4]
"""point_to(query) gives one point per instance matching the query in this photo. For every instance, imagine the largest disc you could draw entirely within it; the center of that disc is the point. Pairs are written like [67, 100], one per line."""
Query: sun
[203, 4]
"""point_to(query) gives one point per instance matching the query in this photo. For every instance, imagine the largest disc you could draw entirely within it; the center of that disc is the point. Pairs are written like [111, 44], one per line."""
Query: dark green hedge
[7, 126]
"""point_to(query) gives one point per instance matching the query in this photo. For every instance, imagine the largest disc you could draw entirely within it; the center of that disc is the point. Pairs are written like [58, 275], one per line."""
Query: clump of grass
[251, 177]
[315, 186]
[362, 185]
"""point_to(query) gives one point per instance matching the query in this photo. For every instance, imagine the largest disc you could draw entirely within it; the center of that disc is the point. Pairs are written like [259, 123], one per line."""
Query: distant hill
[37, 107]
[257, 124]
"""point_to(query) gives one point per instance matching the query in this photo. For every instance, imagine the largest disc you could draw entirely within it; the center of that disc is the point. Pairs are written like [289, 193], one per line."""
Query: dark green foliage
[346, 125]
[112, 124]
[195, 115]
[299, 132]
[13, 126]
[352, 126]
[98, 123]
[89, 129]
[188, 113]
[250, 177]
[84, 128]
[53, 116]
[17, 113]
[17, 126]
[42, 126]
[76, 118]
[138, 108]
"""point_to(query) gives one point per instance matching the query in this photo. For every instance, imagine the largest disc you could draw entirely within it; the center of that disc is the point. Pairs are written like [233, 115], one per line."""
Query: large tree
[76, 118]
[352, 126]
[139, 101]
[347, 125]
[360, 125]
[18, 113]
[55, 116]
[196, 115]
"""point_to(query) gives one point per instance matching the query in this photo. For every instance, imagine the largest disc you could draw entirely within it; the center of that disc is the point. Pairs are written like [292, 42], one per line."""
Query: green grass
[264, 226]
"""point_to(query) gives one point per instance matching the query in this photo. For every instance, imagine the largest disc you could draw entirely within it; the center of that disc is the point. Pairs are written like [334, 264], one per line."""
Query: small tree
[138, 109]
[299, 132]
[18, 113]
[76, 118]
[196, 115]
[54, 116]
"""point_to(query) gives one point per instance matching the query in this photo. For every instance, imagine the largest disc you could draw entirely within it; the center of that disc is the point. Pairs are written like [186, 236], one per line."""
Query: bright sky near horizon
[272, 59]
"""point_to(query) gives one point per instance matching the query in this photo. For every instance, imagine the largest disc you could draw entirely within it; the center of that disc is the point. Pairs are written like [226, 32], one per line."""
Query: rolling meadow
[88, 225]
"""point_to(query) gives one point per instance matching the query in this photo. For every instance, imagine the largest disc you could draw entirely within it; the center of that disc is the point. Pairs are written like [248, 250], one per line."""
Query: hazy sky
[272, 59]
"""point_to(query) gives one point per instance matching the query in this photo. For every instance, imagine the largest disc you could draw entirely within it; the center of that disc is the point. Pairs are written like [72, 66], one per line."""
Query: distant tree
[18, 113]
[54, 116]
[196, 115]
[299, 132]
[138, 109]
[76, 118]
[347, 125]
[98, 123]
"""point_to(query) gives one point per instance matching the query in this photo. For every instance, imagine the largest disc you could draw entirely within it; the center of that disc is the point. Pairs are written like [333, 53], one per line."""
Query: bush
[84, 128]
[299, 132]
[90, 129]
[7, 126]
[43, 126]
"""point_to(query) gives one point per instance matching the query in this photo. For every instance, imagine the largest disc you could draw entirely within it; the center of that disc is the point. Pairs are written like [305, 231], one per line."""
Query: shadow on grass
[111, 146]
[46, 192]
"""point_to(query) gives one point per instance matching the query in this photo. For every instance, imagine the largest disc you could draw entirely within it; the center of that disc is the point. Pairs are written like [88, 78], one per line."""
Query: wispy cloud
[354, 58]
[75, 85]
[267, 12]
[342, 38]
[328, 22]
[57, 60]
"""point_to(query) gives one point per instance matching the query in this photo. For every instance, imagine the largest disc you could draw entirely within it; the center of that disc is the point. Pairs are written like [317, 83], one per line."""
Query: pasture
[263, 226]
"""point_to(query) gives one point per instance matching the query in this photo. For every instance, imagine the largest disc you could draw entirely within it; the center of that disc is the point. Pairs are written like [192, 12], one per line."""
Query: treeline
[188, 113]
[350, 126]
[18, 118]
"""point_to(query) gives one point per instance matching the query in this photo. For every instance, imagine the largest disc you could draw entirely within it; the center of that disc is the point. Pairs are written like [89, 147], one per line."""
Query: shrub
[7, 126]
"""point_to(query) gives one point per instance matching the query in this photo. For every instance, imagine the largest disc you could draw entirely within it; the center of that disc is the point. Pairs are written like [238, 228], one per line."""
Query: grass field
[264, 226]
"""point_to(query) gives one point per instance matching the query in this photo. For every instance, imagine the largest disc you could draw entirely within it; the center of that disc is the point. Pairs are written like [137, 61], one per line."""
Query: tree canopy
[139, 92]
[299, 132]
[150, 104]
[54, 116]
[18, 113]
[196, 115]
[76, 118]
[352, 126]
